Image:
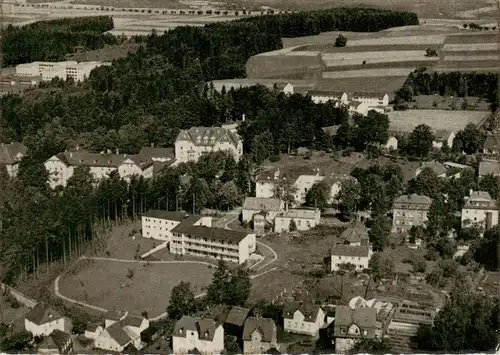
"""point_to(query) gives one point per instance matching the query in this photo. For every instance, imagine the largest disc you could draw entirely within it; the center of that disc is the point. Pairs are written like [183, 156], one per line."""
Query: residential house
[259, 335]
[93, 331]
[353, 325]
[57, 342]
[408, 211]
[304, 318]
[355, 235]
[335, 181]
[235, 321]
[372, 99]
[158, 224]
[10, 156]
[120, 331]
[205, 335]
[321, 96]
[342, 254]
[385, 310]
[331, 130]
[303, 184]
[191, 144]
[254, 205]
[194, 238]
[436, 167]
[443, 137]
[304, 219]
[480, 210]
[62, 166]
[491, 145]
[358, 107]
[487, 167]
[392, 143]
[43, 320]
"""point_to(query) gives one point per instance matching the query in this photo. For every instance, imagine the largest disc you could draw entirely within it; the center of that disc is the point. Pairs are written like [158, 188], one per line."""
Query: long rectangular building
[217, 243]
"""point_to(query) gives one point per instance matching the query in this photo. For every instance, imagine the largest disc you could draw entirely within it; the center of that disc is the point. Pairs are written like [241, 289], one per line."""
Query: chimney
[243, 118]
[152, 145]
[71, 154]
[470, 192]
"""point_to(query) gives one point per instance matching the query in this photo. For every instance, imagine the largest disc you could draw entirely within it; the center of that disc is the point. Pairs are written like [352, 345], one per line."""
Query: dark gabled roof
[48, 343]
[489, 167]
[9, 152]
[42, 314]
[218, 313]
[153, 152]
[364, 317]
[412, 200]
[208, 136]
[349, 250]
[168, 215]
[132, 321]
[308, 310]
[205, 327]
[220, 234]
[265, 326]
[237, 316]
[442, 135]
[262, 203]
[355, 233]
[116, 332]
[374, 95]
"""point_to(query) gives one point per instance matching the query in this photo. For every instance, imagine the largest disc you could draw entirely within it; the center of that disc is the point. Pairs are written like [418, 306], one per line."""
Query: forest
[459, 84]
[53, 40]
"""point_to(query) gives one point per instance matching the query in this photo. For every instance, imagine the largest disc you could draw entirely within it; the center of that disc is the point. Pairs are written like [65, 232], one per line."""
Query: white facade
[480, 210]
[207, 242]
[361, 108]
[61, 167]
[254, 205]
[63, 70]
[159, 224]
[106, 342]
[359, 256]
[191, 340]
[303, 184]
[62, 324]
[93, 334]
[193, 143]
[371, 100]
[392, 143]
[304, 219]
[324, 97]
[449, 138]
[300, 325]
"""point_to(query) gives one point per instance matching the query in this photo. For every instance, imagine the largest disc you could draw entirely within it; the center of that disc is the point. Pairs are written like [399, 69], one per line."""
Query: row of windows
[358, 266]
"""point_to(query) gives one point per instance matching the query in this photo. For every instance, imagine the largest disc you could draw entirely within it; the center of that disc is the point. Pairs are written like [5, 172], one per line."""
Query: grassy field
[432, 102]
[106, 284]
[368, 73]
[406, 121]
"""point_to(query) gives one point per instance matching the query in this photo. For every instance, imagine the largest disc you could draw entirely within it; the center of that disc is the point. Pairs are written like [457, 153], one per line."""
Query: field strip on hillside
[374, 55]
[368, 73]
[466, 70]
[470, 47]
[409, 60]
[417, 40]
[470, 57]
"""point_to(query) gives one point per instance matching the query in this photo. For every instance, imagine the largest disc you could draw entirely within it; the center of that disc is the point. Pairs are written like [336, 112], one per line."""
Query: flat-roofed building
[217, 243]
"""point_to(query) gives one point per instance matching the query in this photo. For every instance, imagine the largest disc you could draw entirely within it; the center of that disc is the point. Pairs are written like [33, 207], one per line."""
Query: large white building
[192, 237]
[480, 210]
[158, 224]
[63, 70]
[62, 166]
[43, 320]
[191, 334]
[191, 144]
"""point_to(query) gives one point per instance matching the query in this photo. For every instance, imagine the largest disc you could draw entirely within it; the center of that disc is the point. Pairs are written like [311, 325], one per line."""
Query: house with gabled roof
[259, 335]
[303, 318]
[355, 234]
[443, 137]
[43, 320]
[436, 167]
[62, 166]
[491, 145]
[410, 210]
[235, 320]
[342, 254]
[253, 205]
[120, 331]
[487, 167]
[304, 219]
[10, 156]
[353, 325]
[322, 96]
[480, 210]
[57, 342]
[371, 99]
[191, 144]
[203, 334]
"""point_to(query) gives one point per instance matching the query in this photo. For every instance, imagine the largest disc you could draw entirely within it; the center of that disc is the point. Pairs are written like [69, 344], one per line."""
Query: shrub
[130, 273]
[341, 41]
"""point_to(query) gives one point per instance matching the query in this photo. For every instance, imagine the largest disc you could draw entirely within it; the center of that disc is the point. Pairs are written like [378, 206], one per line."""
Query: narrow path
[150, 262]
[275, 256]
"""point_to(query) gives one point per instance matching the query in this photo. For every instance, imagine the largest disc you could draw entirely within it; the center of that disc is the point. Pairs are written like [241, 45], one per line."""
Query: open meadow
[406, 121]
[134, 286]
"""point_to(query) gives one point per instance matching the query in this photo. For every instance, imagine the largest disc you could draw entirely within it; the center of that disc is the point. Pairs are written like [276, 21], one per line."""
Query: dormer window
[95, 161]
[206, 334]
[180, 331]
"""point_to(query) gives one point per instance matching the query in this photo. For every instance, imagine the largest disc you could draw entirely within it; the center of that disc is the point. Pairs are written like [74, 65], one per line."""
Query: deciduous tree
[182, 301]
